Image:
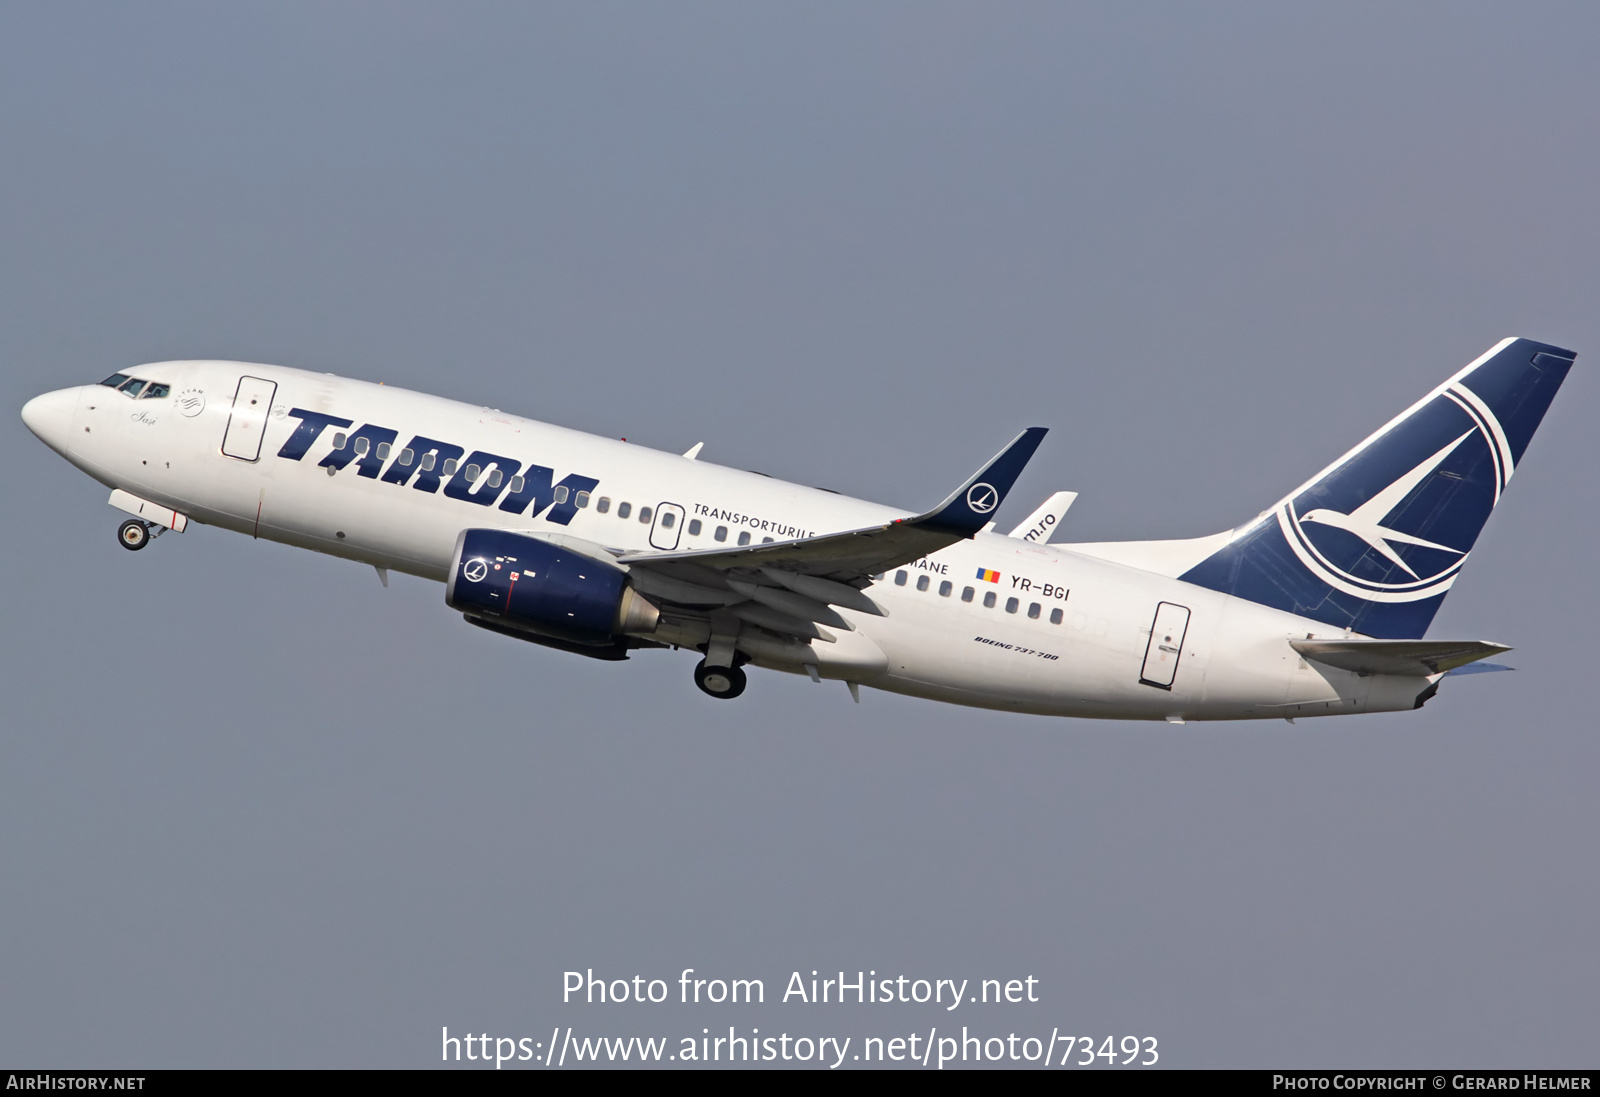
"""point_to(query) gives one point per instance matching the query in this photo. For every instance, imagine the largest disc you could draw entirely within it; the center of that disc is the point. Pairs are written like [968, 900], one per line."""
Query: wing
[788, 586]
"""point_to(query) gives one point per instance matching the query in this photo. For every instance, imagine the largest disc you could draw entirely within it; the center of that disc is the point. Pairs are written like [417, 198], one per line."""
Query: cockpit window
[135, 389]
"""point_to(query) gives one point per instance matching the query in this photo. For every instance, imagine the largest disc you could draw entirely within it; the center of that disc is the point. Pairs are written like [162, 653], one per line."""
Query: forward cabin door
[668, 527]
[1166, 645]
[248, 422]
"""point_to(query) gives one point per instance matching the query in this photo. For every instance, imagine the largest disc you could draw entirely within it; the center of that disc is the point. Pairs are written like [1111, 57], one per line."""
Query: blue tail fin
[1374, 541]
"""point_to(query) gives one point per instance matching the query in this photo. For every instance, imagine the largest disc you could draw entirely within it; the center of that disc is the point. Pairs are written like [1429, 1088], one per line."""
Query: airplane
[593, 546]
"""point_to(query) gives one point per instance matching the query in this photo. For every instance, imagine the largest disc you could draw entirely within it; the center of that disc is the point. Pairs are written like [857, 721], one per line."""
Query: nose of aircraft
[50, 417]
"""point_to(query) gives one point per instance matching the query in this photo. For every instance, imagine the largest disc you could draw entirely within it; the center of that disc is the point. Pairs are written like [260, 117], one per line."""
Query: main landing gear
[723, 682]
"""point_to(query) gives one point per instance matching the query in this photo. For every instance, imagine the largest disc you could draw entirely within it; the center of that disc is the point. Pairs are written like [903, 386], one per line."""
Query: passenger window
[1033, 611]
[449, 467]
[561, 494]
[339, 440]
[155, 392]
[427, 462]
[744, 538]
[624, 509]
[945, 588]
[721, 534]
[582, 500]
[766, 540]
[405, 458]
[1011, 605]
[694, 527]
[383, 451]
[922, 582]
[115, 380]
[878, 578]
[469, 474]
[495, 477]
[668, 519]
[1055, 617]
[645, 514]
[515, 487]
[604, 504]
[900, 578]
[362, 446]
[966, 594]
[131, 388]
[988, 599]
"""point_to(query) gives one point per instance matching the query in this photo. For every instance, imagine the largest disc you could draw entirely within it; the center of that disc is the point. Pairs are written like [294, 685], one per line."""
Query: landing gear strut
[723, 682]
[133, 535]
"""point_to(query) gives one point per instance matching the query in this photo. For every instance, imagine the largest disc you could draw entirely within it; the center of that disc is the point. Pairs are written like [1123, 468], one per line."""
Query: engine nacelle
[532, 585]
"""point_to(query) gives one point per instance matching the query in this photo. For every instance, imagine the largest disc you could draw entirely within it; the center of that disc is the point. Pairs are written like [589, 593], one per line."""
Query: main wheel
[133, 535]
[724, 682]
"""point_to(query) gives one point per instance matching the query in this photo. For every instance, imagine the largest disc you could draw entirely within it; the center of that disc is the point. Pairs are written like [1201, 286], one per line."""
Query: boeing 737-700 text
[1317, 606]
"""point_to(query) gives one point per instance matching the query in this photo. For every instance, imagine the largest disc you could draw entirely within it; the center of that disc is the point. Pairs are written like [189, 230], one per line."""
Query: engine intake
[525, 583]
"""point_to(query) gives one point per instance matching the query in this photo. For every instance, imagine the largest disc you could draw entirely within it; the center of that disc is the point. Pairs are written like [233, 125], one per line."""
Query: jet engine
[508, 580]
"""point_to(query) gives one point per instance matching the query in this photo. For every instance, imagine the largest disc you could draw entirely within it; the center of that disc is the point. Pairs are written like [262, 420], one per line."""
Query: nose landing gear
[723, 682]
[134, 535]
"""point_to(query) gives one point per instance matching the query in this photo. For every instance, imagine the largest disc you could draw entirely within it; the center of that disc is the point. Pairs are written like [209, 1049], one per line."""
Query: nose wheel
[133, 535]
[723, 682]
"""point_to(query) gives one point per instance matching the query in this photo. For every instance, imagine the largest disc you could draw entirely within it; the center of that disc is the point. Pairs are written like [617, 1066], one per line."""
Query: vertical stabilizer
[1374, 542]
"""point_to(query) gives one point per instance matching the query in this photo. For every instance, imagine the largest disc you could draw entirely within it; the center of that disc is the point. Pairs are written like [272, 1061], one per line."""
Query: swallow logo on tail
[1344, 560]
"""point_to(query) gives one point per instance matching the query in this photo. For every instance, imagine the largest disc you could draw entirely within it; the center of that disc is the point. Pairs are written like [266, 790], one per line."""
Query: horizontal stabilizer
[1411, 658]
[1479, 668]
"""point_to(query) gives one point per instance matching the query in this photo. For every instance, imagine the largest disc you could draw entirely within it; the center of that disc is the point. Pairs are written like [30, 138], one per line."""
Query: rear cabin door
[1165, 646]
[248, 422]
[668, 526]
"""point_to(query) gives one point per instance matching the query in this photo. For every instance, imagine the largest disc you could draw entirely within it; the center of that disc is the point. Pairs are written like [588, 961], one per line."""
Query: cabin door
[248, 422]
[1166, 645]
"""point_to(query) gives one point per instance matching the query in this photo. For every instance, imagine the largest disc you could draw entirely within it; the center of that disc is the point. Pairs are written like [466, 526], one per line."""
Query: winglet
[969, 507]
[1039, 525]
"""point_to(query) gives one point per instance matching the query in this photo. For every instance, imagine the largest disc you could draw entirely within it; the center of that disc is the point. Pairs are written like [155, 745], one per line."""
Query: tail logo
[1376, 525]
[982, 498]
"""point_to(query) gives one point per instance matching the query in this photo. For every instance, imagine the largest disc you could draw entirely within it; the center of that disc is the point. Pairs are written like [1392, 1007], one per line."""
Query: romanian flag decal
[988, 576]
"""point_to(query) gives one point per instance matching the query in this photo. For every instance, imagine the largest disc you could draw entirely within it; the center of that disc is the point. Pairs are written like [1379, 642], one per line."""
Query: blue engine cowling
[536, 586]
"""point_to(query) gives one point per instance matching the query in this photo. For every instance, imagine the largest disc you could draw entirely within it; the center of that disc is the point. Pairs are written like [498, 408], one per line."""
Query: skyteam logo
[1395, 521]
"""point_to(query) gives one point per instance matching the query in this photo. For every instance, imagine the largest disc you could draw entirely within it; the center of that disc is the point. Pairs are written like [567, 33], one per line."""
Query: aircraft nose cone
[50, 417]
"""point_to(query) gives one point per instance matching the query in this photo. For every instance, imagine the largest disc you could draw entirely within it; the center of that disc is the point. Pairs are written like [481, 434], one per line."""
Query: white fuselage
[1087, 660]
